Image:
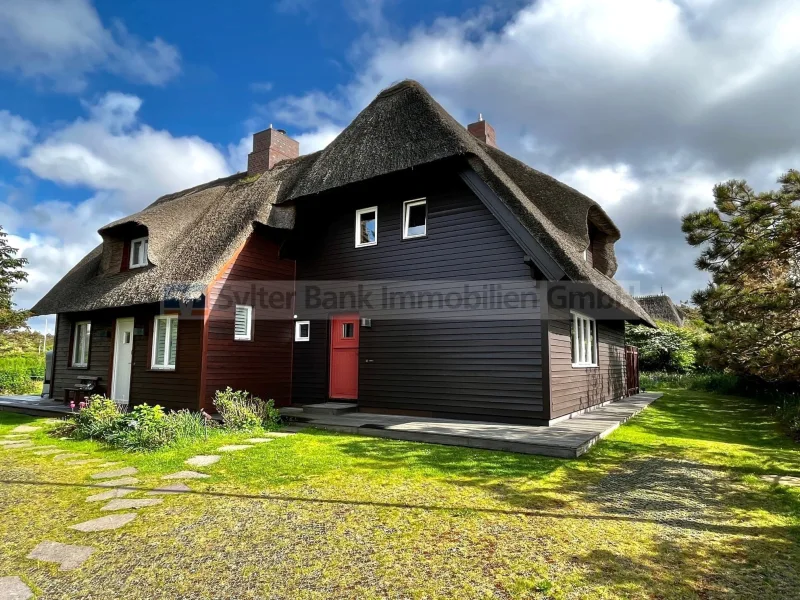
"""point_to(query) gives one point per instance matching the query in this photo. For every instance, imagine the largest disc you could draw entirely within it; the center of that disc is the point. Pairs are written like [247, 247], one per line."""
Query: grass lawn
[669, 506]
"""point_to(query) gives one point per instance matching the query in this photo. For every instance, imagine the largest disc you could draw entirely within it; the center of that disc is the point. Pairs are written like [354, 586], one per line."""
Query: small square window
[415, 218]
[348, 331]
[302, 331]
[367, 227]
[138, 253]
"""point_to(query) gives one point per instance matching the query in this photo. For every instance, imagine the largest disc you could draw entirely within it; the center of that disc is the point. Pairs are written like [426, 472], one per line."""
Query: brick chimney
[270, 147]
[483, 131]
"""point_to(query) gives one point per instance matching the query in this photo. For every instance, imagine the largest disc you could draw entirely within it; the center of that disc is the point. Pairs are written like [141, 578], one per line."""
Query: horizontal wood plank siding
[262, 365]
[65, 375]
[460, 367]
[578, 388]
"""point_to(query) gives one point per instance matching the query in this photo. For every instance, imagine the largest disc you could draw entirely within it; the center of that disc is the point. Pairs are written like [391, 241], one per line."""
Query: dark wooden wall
[577, 388]
[464, 367]
[262, 365]
[171, 389]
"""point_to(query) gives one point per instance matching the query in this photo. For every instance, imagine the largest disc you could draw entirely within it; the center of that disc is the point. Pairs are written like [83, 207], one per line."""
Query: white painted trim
[167, 341]
[143, 254]
[360, 212]
[249, 335]
[406, 207]
[297, 336]
[580, 338]
[75, 337]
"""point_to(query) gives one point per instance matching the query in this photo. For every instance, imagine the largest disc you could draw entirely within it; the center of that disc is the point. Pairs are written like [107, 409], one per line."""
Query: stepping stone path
[118, 473]
[782, 480]
[234, 448]
[259, 440]
[13, 588]
[69, 557]
[88, 461]
[173, 488]
[25, 429]
[105, 523]
[203, 460]
[16, 443]
[122, 481]
[186, 475]
[110, 494]
[16, 436]
[69, 456]
[129, 503]
[47, 452]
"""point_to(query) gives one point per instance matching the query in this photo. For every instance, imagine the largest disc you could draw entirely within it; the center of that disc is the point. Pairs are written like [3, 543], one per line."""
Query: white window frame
[167, 340]
[583, 325]
[142, 254]
[360, 212]
[407, 205]
[249, 335]
[81, 361]
[298, 337]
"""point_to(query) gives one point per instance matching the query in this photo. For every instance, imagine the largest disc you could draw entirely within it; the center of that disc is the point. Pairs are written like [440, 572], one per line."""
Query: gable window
[302, 331]
[80, 347]
[165, 342]
[367, 227]
[138, 253]
[583, 335]
[415, 218]
[244, 323]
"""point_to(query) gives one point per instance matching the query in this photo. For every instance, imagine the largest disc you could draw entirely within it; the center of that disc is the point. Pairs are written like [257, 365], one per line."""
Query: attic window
[138, 253]
[367, 227]
[415, 217]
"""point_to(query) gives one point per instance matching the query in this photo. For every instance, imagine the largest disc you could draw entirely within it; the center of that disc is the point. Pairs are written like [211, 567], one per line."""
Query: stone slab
[259, 440]
[131, 503]
[234, 447]
[105, 523]
[68, 456]
[203, 460]
[110, 494]
[116, 473]
[173, 488]
[48, 452]
[16, 443]
[782, 480]
[13, 588]
[16, 436]
[122, 481]
[25, 429]
[186, 475]
[87, 461]
[68, 556]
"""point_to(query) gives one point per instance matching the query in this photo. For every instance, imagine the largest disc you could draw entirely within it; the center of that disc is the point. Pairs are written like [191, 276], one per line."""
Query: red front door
[344, 357]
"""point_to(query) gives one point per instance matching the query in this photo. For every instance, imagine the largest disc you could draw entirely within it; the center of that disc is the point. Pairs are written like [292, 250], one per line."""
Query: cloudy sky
[641, 104]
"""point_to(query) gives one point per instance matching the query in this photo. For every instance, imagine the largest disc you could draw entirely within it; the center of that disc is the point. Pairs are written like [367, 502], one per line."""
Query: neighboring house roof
[661, 308]
[195, 232]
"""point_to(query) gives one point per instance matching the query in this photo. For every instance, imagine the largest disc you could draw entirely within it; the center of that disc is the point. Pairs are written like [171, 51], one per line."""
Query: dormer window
[138, 253]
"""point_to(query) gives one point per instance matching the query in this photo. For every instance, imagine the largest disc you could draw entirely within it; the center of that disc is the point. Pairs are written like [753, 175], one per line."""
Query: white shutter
[173, 341]
[244, 323]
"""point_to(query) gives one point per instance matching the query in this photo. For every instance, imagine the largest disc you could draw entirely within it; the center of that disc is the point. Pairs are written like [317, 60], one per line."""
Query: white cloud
[318, 139]
[642, 104]
[16, 134]
[63, 41]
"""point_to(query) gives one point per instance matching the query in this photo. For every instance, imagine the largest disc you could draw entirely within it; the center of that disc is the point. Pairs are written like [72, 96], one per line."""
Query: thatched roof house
[661, 308]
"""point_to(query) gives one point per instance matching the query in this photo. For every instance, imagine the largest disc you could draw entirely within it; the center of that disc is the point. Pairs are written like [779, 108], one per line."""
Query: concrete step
[330, 408]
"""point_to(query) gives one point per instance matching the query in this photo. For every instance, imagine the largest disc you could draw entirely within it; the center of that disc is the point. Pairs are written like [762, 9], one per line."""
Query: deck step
[330, 408]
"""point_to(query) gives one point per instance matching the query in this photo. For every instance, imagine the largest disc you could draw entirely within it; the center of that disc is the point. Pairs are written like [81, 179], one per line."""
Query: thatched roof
[193, 233]
[660, 307]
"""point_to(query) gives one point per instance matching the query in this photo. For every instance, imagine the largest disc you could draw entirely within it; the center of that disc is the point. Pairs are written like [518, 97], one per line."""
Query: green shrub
[242, 411]
[98, 420]
[143, 428]
[17, 373]
[666, 348]
[187, 425]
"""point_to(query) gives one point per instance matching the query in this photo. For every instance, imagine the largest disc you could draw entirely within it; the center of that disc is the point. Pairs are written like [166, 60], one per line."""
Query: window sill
[415, 237]
[582, 366]
[163, 369]
[366, 245]
[79, 367]
[242, 339]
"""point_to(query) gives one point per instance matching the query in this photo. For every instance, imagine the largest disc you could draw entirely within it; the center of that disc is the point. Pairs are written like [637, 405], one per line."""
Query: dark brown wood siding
[577, 388]
[171, 389]
[462, 367]
[262, 365]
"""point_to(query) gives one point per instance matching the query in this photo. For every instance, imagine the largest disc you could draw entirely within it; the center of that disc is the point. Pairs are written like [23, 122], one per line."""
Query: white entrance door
[123, 358]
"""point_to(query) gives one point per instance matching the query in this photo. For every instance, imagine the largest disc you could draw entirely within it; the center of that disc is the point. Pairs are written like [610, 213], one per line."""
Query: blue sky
[641, 104]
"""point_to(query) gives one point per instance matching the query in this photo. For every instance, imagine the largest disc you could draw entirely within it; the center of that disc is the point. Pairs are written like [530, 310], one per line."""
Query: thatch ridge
[661, 307]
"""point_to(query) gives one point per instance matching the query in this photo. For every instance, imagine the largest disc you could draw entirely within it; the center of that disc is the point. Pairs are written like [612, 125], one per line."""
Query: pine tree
[752, 251]
[11, 274]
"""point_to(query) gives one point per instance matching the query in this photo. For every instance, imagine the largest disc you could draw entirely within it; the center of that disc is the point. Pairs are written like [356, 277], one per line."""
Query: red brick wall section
[269, 148]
